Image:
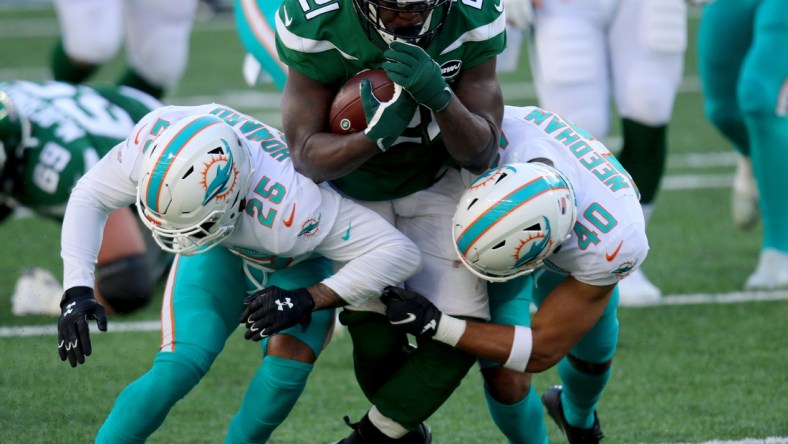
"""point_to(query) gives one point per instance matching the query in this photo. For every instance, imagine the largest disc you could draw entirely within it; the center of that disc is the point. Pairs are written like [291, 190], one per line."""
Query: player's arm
[566, 315]
[102, 189]
[471, 123]
[469, 114]
[375, 255]
[318, 154]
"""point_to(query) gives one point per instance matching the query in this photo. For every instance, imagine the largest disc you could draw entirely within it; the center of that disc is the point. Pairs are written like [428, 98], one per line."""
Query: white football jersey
[287, 217]
[609, 239]
[286, 213]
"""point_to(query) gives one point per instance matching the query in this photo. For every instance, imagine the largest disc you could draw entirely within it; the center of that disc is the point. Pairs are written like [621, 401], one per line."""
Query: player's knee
[724, 118]
[649, 103]
[287, 347]
[506, 386]
[125, 284]
[590, 368]
[89, 49]
[757, 95]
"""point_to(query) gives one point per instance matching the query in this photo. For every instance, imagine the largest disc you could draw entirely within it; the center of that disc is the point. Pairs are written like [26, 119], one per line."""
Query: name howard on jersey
[605, 168]
[255, 131]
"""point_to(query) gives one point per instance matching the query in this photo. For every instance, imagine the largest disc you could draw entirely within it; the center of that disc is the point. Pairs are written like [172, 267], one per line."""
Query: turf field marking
[681, 299]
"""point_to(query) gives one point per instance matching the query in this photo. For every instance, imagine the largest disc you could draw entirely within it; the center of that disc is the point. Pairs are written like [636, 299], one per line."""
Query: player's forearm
[517, 348]
[384, 264]
[325, 297]
[471, 140]
[325, 156]
[83, 225]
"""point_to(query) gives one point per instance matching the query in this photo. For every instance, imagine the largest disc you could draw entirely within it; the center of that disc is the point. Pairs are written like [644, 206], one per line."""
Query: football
[347, 112]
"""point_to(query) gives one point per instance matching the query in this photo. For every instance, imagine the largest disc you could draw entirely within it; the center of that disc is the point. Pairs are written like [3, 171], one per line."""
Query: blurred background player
[50, 134]
[253, 240]
[585, 52]
[743, 64]
[558, 224]
[445, 114]
[255, 21]
[156, 34]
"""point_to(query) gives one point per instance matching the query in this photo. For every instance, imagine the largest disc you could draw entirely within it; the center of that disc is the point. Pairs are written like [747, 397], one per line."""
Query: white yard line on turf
[681, 299]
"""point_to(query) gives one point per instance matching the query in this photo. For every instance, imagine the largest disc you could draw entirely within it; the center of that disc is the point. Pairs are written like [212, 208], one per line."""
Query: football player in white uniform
[156, 34]
[562, 213]
[587, 52]
[209, 176]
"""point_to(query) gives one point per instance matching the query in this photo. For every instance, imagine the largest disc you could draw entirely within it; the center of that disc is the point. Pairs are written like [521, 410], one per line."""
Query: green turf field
[686, 371]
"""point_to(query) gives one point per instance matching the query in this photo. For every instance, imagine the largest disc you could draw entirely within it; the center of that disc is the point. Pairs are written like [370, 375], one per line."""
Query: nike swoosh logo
[612, 256]
[137, 137]
[499, 6]
[288, 20]
[289, 221]
[410, 318]
[347, 233]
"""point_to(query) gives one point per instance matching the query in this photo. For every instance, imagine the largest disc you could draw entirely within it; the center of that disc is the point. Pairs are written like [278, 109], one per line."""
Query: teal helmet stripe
[506, 205]
[169, 153]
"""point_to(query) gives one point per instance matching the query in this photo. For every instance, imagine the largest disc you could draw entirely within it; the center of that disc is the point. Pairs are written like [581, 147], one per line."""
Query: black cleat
[364, 432]
[575, 435]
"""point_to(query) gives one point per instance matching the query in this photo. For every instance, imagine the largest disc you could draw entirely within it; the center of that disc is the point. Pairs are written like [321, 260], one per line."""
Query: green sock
[134, 80]
[65, 70]
[643, 156]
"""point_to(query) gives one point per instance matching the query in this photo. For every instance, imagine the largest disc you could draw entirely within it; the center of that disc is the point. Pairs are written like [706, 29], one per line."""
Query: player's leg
[724, 38]
[288, 360]
[157, 43]
[763, 97]
[255, 21]
[91, 34]
[586, 370]
[427, 376]
[647, 40]
[123, 277]
[513, 403]
[202, 303]
[569, 62]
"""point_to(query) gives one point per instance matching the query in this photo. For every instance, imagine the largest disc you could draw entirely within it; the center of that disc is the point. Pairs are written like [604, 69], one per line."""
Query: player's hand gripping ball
[347, 112]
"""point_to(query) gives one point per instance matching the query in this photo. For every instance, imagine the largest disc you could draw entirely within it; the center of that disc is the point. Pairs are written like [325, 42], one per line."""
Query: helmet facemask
[193, 185]
[434, 13]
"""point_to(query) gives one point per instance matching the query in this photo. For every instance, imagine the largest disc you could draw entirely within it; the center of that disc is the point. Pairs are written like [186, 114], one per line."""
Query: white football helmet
[194, 179]
[512, 218]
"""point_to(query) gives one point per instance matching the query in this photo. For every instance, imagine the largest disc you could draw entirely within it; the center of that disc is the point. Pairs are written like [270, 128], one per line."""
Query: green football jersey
[325, 41]
[72, 127]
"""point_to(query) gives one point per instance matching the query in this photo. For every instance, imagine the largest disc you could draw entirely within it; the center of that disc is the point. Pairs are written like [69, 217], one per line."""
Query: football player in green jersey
[445, 115]
[50, 134]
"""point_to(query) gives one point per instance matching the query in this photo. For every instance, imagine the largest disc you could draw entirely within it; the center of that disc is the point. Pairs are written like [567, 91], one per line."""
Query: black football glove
[410, 312]
[273, 309]
[77, 307]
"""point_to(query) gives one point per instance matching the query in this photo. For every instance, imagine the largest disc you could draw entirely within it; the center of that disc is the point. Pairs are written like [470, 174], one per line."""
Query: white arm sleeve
[104, 188]
[376, 254]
